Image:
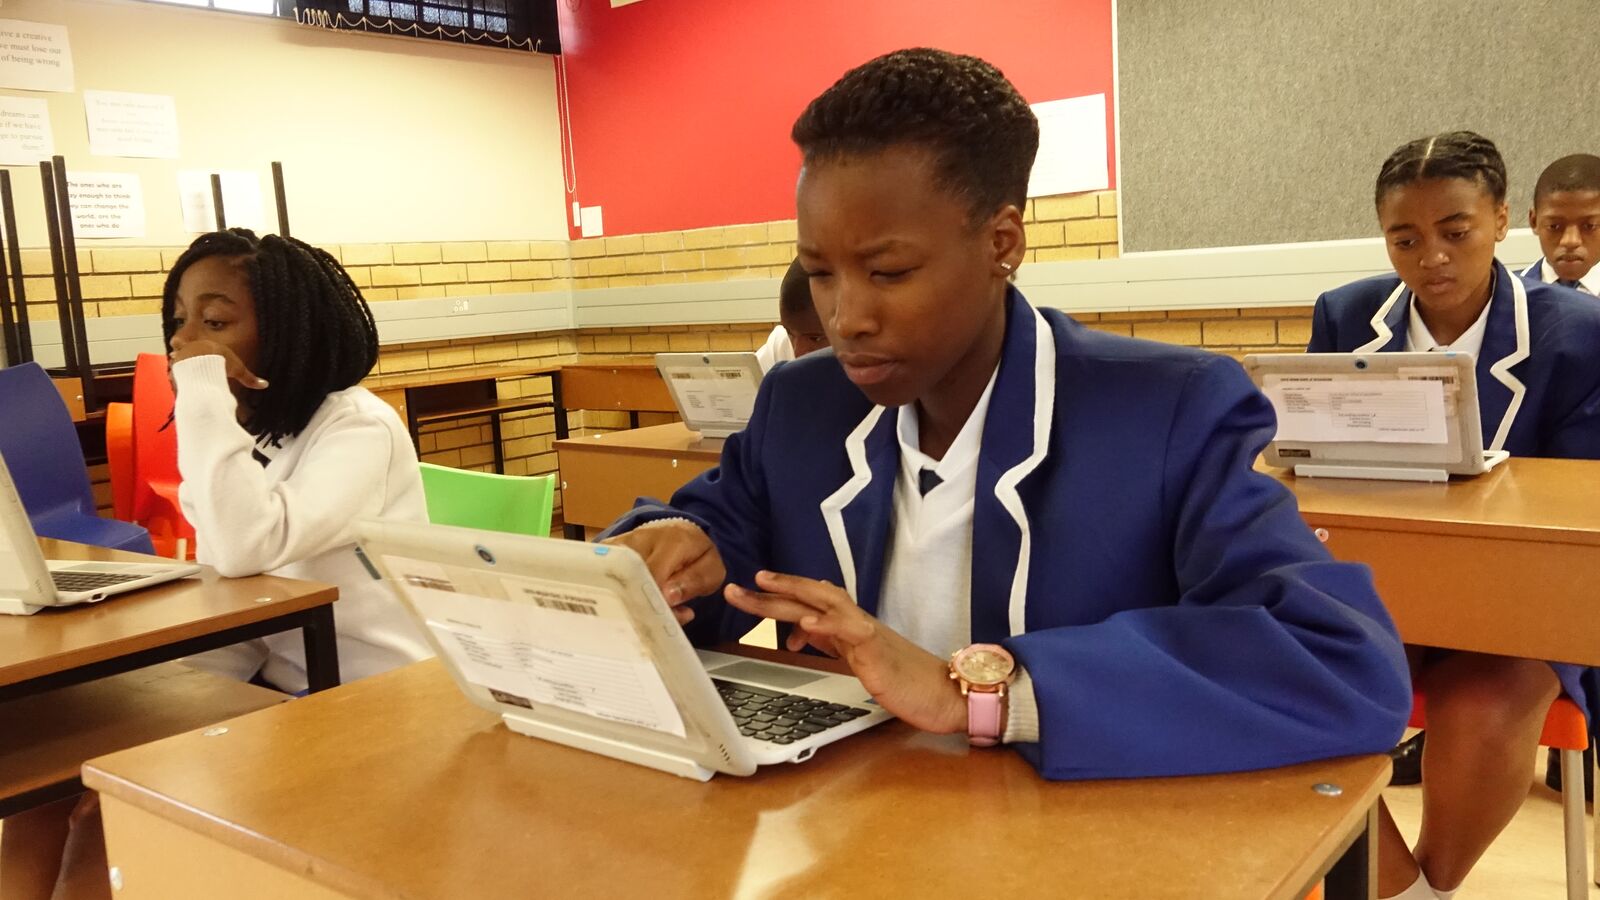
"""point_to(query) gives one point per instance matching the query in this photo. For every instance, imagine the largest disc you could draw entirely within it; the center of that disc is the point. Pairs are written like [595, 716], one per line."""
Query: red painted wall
[680, 109]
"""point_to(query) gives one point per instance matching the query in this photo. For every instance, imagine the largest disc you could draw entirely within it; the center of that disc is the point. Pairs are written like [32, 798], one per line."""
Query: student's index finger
[244, 376]
[821, 594]
[781, 607]
[673, 556]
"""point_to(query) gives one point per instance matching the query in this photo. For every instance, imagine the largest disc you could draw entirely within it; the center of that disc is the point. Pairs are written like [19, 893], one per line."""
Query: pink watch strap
[984, 724]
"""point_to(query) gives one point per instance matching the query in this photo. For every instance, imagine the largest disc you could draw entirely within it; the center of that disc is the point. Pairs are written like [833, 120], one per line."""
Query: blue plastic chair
[41, 450]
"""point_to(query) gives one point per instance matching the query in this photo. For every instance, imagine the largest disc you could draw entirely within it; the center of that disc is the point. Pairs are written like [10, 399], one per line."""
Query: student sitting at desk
[1441, 203]
[1566, 218]
[799, 331]
[274, 470]
[964, 469]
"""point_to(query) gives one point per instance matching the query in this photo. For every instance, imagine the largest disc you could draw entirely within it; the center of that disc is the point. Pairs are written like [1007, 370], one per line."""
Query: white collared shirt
[1420, 339]
[1589, 284]
[777, 349]
[927, 580]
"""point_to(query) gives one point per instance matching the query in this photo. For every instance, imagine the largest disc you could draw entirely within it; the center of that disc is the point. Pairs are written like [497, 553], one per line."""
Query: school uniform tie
[927, 480]
[1575, 285]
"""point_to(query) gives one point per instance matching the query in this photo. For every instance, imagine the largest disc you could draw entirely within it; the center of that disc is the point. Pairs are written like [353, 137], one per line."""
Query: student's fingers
[696, 578]
[842, 628]
[238, 372]
[822, 595]
[769, 606]
[799, 638]
[681, 559]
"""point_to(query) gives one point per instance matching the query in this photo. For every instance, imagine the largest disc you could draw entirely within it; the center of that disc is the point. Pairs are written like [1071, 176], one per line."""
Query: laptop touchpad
[773, 676]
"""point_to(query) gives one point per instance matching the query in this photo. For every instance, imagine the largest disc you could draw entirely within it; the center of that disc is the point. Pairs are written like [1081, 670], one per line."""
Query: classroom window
[518, 24]
[259, 7]
[515, 24]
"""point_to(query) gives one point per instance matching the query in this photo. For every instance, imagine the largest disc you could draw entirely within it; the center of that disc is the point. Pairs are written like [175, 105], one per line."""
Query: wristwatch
[984, 671]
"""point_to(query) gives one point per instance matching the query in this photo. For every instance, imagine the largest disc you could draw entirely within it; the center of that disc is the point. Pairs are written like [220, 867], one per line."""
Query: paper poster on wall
[242, 203]
[106, 204]
[1072, 147]
[25, 136]
[35, 56]
[123, 124]
[591, 222]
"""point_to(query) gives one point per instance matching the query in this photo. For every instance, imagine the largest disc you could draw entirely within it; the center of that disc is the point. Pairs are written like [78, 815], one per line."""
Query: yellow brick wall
[128, 281]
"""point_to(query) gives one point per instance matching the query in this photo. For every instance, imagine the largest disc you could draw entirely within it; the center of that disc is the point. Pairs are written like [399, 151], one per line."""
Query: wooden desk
[60, 647]
[446, 395]
[424, 398]
[625, 386]
[602, 474]
[401, 788]
[49, 735]
[1505, 563]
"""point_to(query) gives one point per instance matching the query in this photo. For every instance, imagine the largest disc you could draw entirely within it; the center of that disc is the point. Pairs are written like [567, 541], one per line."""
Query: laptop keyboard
[780, 718]
[72, 582]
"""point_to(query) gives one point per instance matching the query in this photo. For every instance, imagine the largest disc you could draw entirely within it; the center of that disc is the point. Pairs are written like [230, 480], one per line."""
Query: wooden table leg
[1355, 875]
[322, 649]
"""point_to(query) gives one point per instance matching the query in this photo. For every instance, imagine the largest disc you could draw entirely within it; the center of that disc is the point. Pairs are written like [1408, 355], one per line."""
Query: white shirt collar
[963, 452]
[1589, 282]
[1419, 339]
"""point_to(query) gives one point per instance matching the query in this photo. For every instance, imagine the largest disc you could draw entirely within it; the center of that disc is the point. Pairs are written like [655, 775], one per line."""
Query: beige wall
[382, 139]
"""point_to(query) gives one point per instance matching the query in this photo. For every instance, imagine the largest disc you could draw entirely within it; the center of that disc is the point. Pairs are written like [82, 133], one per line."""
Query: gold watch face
[983, 667]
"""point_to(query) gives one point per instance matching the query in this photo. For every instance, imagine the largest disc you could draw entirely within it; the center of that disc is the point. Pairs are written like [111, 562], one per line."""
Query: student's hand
[682, 559]
[236, 369]
[907, 680]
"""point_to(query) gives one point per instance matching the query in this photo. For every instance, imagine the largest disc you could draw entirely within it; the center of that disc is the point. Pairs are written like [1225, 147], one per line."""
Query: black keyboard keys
[780, 718]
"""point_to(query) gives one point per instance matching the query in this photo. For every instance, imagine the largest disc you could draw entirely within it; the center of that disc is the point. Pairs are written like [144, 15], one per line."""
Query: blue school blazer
[1174, 611]
[1538, 373]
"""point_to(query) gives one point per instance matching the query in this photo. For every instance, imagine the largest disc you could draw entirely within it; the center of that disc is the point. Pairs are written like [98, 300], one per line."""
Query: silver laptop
[29, 582]
[1394, 416]
[572, 642]
[714, 392]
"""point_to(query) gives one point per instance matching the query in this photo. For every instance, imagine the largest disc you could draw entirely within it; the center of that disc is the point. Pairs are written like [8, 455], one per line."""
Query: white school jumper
[292, 517]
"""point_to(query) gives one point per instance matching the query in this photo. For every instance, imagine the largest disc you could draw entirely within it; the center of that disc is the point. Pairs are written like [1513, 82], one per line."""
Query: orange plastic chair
[119, 458]
[155, 460]
[1567, 730]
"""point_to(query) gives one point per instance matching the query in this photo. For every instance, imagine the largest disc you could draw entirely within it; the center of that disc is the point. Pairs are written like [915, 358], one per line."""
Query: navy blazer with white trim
[1538, 373]
[1174, 612]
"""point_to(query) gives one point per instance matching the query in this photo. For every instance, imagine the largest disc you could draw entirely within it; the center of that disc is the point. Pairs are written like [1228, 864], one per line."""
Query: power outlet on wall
[459, 305]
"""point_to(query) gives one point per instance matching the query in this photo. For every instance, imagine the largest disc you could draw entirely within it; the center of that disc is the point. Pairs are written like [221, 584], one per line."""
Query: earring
[1007, 266]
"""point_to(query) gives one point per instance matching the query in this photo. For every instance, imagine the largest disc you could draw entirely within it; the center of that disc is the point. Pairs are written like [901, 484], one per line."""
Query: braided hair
[1578, 172]
[315, 331]
[1453, 154]
[981, 133]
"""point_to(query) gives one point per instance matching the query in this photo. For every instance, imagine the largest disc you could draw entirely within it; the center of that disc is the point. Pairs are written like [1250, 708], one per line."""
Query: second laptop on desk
[572, 642]
[1389, 416]
[29, 582]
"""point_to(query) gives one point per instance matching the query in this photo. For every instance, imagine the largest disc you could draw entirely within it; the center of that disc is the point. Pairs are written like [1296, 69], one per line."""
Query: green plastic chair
[514, 503]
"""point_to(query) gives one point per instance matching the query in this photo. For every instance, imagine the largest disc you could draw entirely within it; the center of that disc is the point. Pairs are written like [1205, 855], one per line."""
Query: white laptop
[1391, 416]
[29, 582]
[572, 642]
[714, 392]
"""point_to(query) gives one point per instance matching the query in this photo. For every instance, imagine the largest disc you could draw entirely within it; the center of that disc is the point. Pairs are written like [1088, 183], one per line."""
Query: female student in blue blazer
[1442, 206]
[1083, 500]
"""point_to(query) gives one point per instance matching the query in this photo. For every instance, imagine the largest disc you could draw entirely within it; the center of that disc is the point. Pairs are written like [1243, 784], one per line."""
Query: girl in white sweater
[279, 447]
[280, 451]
